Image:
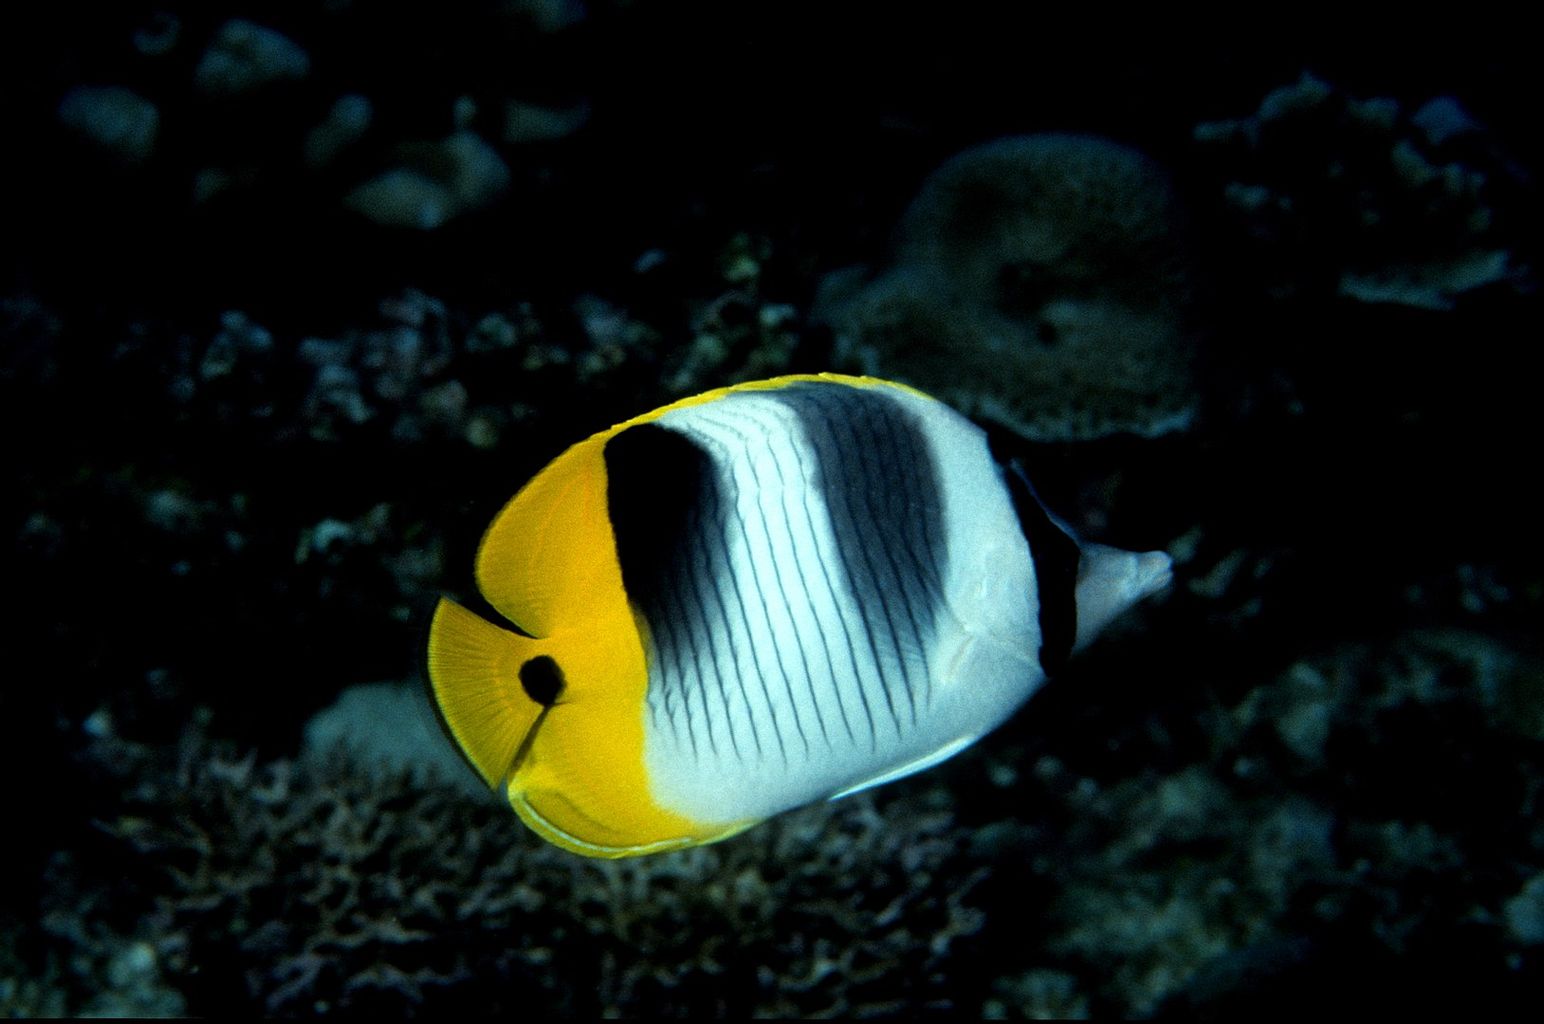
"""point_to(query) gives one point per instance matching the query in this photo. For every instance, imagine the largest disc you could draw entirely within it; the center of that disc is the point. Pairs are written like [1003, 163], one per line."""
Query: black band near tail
[1056, 556]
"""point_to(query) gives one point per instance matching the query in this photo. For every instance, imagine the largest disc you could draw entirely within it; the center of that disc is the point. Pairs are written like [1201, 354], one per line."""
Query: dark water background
[254, 425]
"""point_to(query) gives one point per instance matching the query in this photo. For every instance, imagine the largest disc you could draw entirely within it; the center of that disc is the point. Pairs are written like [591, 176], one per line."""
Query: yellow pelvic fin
[474, 667]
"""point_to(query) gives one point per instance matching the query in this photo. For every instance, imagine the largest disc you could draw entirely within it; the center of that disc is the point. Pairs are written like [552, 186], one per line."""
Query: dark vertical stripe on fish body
[901, 450]
[880, 487]
[1056, 558]
[657, 484]
[883, 495]
[841, 514]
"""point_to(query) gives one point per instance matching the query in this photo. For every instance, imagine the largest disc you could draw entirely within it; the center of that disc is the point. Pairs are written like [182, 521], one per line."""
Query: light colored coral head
[1111, 580]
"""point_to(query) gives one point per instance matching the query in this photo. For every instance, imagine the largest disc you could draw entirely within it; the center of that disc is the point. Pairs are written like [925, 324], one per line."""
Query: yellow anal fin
[474, 668]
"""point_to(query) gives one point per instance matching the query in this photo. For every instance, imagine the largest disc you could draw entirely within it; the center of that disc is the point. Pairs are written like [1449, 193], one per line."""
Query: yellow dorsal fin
[474, 667]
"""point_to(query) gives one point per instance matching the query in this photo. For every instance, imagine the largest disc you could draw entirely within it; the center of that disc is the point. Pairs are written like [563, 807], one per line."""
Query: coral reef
[294, 298]
[335, 883]
[420, 375]
[1292, 844]
[233, 106]
[316, 887]
[1368, 199]
[1038, 281]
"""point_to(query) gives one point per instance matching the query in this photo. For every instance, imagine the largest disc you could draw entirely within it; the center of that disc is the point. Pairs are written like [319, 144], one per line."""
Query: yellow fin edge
[573, 844]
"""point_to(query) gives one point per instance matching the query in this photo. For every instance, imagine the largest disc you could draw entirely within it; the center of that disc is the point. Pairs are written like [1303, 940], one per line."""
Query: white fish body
[780, 592]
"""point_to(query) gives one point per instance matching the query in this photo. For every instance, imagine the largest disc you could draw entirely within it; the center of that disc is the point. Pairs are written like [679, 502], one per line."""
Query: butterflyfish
[756, 598]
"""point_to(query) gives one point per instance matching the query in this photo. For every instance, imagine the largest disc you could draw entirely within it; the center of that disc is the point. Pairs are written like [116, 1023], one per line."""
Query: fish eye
[542, 680]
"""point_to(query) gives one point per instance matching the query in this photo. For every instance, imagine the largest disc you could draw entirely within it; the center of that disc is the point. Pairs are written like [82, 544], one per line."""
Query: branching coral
[317, 889]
